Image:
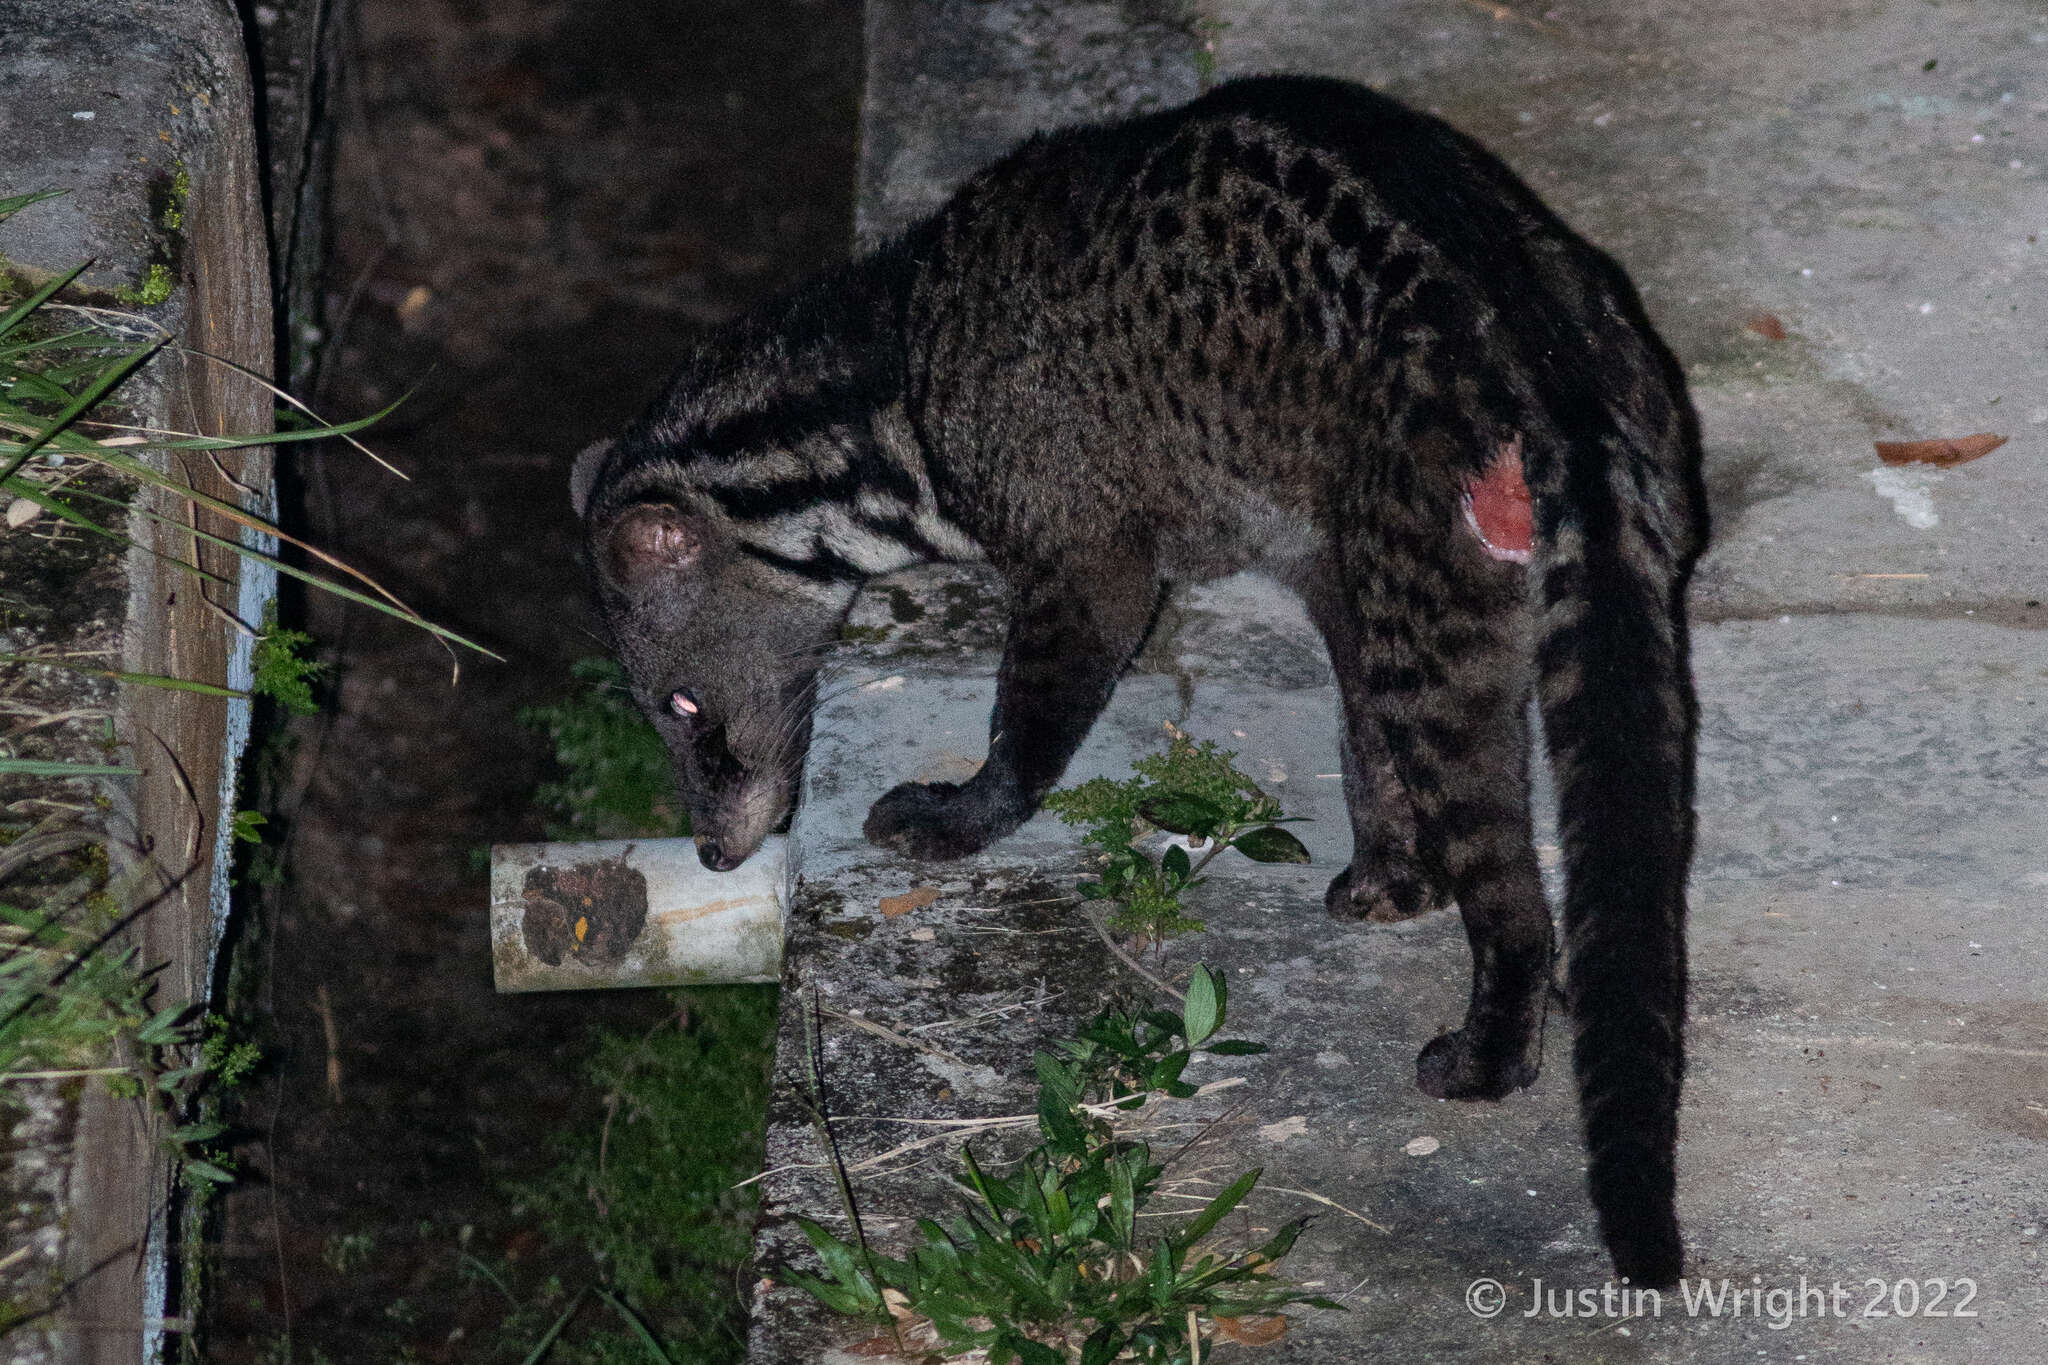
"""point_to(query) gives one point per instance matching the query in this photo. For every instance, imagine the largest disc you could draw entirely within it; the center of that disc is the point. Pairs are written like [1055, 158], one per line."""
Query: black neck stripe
[825, 565]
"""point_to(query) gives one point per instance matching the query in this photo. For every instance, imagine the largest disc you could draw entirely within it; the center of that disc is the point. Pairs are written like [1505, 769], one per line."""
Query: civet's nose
[713, 855]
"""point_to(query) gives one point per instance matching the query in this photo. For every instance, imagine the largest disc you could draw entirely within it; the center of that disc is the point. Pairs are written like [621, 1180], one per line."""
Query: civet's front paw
[932, 820]
[1384, 893]
[1450, 1068]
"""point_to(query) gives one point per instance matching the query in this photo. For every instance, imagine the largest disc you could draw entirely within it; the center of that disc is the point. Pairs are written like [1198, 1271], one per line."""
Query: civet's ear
[583, 478]
[649, 541]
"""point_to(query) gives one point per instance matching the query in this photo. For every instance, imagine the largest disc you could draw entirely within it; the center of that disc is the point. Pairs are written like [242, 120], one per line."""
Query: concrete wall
[110, 102]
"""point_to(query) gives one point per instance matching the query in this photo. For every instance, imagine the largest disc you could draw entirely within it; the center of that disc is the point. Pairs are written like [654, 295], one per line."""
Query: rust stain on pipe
[683, 914]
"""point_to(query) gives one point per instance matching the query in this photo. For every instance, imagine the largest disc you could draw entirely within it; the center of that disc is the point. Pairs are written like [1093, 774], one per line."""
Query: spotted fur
[1289, 327]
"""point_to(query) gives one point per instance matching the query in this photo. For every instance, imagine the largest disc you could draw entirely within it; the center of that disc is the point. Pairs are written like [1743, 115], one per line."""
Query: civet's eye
[682, 703]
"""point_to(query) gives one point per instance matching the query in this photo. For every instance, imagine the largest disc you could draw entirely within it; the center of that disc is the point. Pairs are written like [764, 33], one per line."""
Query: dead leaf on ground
[1252, 1330]
[1766, 325]
[1941, 452]
[1286, 1128]
[917, 898]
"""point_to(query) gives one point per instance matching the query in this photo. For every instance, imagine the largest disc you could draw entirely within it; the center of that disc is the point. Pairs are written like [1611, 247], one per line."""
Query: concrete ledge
[143, 112]
[1866, 1012]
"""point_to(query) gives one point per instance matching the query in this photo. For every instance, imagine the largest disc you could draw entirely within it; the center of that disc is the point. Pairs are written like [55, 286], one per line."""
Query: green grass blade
[141, 679]
[979, 1182]
[93, 450]
[142, 473]
[21, 487]
[36, 300]
[171, 684]
[39, 387]
[15, 203]
[37, 767]
[301, 408]
[654, 1351]
[547, 1340]
[391, 606]
[84, 336]
[405, 614]
[1219, 1208]
[80, 405]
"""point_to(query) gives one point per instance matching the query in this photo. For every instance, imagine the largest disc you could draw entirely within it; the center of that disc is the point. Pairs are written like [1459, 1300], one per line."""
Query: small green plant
[180, 190]
[72, 1006]
[653, 1192]
[618, 781]
[64, 1002]
[156, 287]
[1045, 1264]
[228, 1061]
[1192, 790]
[283, 673]
[347, 1251]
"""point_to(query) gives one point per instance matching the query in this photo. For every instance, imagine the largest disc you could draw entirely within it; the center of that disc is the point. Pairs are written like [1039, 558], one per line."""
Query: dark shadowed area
[537, 204]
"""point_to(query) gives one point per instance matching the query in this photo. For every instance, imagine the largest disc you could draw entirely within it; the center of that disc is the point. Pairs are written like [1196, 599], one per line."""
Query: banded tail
[1619, 717]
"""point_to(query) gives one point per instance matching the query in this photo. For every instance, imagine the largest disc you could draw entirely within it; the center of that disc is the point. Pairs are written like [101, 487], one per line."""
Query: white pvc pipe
[638, 912]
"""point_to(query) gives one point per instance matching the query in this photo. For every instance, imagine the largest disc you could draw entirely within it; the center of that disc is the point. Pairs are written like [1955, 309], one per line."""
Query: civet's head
[723, 657]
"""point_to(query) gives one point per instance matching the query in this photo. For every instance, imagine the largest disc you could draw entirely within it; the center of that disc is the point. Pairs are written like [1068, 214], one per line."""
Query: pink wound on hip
[1497, 507]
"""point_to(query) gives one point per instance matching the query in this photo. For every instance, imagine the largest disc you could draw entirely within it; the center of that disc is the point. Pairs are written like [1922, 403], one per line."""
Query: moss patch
[156, 287]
